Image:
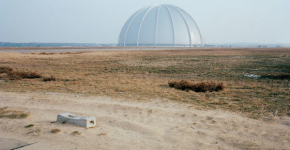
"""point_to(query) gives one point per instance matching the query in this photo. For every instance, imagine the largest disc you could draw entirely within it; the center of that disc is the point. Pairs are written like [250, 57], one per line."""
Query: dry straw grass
[4, 69]
[144, 75]
[12, 114]
[17, 75]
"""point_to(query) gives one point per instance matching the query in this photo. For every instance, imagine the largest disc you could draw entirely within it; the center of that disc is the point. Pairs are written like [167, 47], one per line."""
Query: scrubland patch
[144, 75]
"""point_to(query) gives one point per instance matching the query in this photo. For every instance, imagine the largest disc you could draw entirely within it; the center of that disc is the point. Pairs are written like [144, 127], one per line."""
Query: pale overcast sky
[100, 21]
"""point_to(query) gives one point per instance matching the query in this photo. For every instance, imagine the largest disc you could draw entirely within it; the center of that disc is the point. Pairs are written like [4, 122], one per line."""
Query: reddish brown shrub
[197, 87]
[15, 75]
[172, 83]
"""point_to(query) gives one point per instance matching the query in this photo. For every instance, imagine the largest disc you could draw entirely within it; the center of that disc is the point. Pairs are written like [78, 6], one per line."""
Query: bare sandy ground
[122, 124]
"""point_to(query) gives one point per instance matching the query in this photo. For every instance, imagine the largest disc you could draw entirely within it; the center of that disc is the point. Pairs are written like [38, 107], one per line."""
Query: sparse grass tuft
[197, 87]
[34, 132]
[29, 126]
[76, 133]
[55, 130]
[102, 134]
[23, 115]
[12, 114]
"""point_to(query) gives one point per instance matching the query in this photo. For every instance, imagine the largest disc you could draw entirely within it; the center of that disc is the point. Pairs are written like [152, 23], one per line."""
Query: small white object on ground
[251, 75]
[86, 122]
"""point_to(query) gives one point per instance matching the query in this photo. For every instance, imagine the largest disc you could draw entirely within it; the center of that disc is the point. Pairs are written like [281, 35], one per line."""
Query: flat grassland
[257, 79]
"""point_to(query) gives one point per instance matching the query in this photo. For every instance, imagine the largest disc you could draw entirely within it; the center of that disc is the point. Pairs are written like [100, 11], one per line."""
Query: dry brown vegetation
[76, 133]
[55, 130]
[10, 74]
[144, 75]
[29, 126]
[16, 75]
[52, 78]
[12, 114]
[5, 69]
[197, 87]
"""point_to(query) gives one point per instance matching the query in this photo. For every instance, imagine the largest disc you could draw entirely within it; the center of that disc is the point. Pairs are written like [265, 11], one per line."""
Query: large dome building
[160, 25]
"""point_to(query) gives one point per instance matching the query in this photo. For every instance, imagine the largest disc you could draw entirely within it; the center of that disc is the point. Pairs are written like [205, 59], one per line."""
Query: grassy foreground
[257, 80]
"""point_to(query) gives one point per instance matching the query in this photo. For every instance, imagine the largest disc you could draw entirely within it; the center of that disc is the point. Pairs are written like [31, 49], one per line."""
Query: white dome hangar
[160, 25]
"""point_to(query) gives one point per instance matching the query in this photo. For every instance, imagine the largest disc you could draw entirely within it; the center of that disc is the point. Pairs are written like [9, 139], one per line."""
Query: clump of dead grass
[55, 131]
[4, 69]
[76, 133]
[46, 53]
[29, 126]
[12, 114]
[197, 87]
[17, 75]
[52, 78]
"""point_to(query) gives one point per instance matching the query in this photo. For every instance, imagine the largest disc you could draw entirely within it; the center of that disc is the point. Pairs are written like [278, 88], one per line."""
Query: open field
[129, 94]
[144, 75]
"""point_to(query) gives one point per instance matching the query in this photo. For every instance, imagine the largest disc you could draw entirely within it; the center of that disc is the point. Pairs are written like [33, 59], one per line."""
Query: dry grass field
[257, 81]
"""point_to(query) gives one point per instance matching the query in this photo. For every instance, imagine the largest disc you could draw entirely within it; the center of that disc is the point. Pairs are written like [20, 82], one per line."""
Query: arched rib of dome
[156, 25]
[180, 28]
[133, 29]
[194, 29]
[148, 23]
[172, 24]
[125, 28]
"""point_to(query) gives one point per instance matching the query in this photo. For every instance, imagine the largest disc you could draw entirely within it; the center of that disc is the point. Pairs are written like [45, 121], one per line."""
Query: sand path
[122, 124]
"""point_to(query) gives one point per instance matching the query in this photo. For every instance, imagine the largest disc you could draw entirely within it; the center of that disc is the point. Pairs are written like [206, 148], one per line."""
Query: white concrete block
[86, 122]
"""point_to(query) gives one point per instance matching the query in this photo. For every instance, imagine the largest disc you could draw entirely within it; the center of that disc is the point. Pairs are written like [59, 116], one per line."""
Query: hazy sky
[100, 21]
